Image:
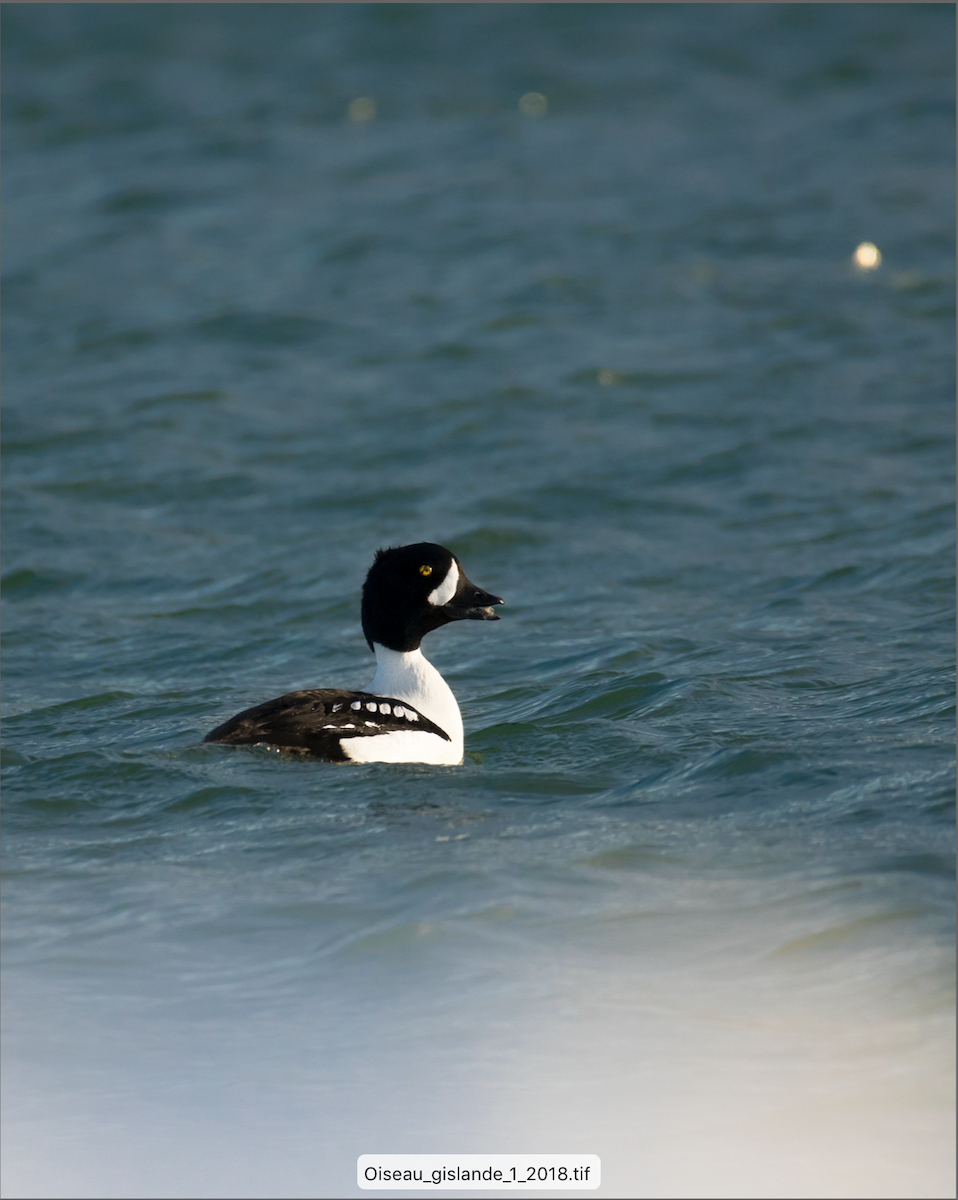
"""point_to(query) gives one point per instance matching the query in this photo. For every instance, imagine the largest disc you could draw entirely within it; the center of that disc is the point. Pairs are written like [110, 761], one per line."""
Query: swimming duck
[408, 713]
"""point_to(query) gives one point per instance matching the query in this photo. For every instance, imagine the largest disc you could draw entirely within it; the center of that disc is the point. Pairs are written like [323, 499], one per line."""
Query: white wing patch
[447, 589]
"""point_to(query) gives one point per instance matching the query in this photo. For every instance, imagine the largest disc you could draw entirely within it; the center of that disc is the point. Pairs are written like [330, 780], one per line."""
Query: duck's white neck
[406, 675]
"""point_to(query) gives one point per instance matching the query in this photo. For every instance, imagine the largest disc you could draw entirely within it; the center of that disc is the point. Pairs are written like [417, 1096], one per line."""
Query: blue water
[687, 904]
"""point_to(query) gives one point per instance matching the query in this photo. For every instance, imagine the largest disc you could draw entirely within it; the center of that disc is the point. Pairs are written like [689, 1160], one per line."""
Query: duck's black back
[317, 722]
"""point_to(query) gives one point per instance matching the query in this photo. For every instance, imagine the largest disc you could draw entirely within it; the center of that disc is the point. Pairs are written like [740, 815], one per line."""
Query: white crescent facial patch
[447, 589]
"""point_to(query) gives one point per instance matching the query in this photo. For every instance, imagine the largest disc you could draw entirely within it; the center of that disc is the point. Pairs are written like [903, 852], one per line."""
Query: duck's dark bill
[478, 614]
[471, 603]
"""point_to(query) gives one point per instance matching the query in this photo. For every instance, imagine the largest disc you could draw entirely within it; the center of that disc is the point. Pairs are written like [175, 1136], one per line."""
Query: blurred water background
[570, 289]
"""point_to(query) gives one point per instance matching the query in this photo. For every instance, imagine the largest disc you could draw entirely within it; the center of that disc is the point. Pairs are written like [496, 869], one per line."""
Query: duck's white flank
[406, 675]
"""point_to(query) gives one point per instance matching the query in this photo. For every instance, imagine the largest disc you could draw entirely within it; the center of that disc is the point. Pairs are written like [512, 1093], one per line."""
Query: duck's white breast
[406, 675]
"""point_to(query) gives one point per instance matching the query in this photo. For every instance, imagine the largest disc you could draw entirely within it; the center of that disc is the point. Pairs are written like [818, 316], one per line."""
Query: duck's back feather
[318, 721]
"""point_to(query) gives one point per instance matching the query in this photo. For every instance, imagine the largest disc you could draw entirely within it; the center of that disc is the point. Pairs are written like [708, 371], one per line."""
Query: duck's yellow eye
[424, 570]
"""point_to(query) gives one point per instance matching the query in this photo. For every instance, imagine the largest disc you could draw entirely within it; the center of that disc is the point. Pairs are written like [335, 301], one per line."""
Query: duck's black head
[411, 590]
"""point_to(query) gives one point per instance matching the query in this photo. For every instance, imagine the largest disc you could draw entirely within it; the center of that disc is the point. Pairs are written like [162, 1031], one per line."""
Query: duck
[408, 713]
